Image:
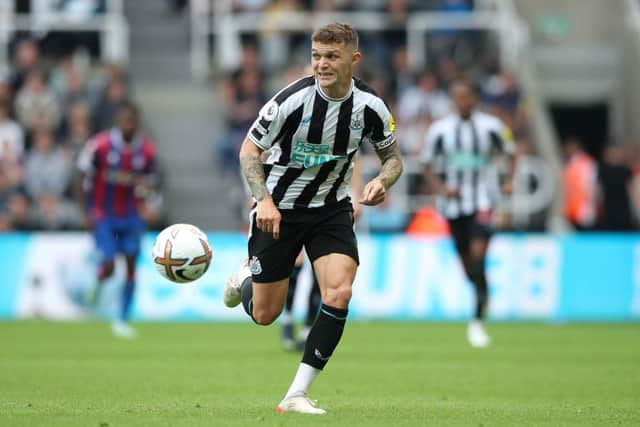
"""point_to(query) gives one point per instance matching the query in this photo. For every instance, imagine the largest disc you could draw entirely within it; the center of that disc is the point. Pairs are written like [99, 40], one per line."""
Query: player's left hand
[374, 193]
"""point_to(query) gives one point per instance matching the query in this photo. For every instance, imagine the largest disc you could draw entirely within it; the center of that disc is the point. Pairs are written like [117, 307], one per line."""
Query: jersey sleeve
[268, 125]
[382, 125]
[501, 138]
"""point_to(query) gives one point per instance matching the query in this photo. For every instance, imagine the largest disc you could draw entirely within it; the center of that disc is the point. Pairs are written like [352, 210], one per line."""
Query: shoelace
[311, 402]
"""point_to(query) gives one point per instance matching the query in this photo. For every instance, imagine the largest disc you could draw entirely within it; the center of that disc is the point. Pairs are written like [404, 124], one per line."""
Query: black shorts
[322, 231]
[466, 228]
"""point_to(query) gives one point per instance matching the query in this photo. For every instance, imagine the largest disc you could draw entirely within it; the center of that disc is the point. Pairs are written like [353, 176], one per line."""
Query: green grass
[384, 374]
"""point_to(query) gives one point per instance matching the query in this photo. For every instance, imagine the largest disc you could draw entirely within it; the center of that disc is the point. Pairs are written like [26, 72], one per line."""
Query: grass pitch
[383, 374]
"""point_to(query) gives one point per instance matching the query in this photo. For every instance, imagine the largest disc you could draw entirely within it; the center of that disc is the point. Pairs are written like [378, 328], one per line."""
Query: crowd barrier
[580, 277]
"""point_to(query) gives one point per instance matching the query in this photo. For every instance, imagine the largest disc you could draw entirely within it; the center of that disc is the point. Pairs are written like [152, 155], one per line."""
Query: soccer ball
[182, 253]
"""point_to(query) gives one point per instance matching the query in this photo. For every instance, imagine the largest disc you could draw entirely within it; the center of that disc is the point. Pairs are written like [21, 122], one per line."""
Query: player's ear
[356, 57]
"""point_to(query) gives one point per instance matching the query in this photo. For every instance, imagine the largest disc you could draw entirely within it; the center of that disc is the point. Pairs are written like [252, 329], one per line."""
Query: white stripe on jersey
[460, 151]
[313, 139]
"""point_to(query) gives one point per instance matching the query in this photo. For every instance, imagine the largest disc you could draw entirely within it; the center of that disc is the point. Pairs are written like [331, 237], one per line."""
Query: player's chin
[326, 81]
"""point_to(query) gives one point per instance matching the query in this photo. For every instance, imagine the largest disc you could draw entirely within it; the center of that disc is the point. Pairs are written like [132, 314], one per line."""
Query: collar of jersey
[328, 98]
[118, 140]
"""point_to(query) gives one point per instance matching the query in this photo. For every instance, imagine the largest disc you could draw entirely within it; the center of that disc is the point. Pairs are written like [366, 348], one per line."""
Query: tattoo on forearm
[391, 165]
[254, 174]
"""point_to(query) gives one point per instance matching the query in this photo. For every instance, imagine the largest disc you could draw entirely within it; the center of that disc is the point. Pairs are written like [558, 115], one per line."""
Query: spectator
[11, 134]
[27, 58]
[113, 95]
[424, 98]
[68, 83]
[403, 79]
[614, 177]
[243, 99]
[13, 205]
[48, 166]
[36, 105]
[580, 177]
[47, 180]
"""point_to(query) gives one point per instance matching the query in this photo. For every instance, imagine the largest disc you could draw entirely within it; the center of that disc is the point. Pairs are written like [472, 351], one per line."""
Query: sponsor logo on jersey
[309, 155]
[466, 161]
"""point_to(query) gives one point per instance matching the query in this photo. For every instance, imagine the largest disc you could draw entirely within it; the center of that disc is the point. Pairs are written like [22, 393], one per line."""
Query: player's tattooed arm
[391, 165]
[253, 171]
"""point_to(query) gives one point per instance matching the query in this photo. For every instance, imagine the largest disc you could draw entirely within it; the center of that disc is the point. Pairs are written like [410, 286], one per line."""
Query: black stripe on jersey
[332, 196]
[459, 172]
[310, 190]
[374, 121]
[318, 115]
[438, 150]
[496, 141]
[475, 173]
[290, 175]
[295, 87]
[343, 128]
[289, 127]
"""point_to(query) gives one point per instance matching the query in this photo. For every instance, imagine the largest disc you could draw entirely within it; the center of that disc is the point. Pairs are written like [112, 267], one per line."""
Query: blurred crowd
[55, 93]
[49, 107]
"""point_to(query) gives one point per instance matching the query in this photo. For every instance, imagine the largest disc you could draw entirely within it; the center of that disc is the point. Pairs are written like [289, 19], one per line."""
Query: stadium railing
[111, 25]
[207, 20]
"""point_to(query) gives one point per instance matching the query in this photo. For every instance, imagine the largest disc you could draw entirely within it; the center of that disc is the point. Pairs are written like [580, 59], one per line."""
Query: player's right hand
[268, 217]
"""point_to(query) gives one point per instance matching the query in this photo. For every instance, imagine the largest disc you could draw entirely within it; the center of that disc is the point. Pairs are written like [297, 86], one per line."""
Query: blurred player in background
[118, 168]
[314, 128]
[458, 151]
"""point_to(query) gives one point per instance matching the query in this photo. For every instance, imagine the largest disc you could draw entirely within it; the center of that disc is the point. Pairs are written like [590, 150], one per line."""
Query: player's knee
[264, 317]
[339, 296]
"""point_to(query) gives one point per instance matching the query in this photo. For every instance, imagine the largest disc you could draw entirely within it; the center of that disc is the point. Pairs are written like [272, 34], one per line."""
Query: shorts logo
[254, 265]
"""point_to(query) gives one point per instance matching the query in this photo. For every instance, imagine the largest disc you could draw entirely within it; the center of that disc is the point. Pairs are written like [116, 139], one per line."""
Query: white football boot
[301, 404]
[477, 336]
[231, 295]
[122, 330]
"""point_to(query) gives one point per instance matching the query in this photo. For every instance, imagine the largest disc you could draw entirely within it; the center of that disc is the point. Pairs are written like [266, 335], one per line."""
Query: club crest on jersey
[254, 265]
[357, 121]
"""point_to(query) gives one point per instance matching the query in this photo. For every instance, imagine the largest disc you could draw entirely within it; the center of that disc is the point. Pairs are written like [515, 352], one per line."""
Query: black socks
[324, 336]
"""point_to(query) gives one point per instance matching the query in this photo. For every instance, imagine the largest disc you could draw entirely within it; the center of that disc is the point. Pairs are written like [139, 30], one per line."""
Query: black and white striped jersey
[459, 152]
[312, 140]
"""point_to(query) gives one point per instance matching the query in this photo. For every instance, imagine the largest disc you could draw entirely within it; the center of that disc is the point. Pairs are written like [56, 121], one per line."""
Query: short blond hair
[336, 33]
